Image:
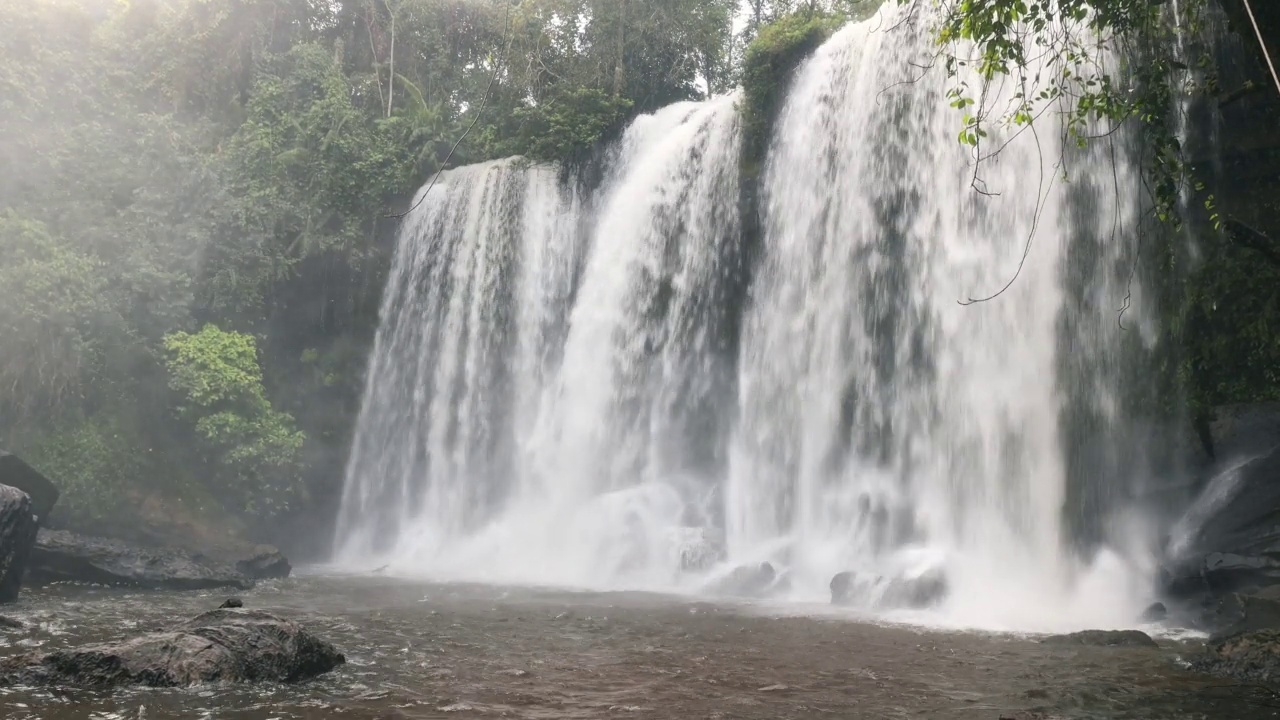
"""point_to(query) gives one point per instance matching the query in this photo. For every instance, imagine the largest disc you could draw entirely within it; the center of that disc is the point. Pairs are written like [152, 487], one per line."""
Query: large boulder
[921, 591]
[264, 562]
[218, 646]
[748, 581]
[17, 534]
[1230, 539]
[16, 473]
[62, 555]
[845, 588]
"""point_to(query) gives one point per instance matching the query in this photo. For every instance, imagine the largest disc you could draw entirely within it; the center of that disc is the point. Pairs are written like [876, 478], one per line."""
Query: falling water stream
[588, 386]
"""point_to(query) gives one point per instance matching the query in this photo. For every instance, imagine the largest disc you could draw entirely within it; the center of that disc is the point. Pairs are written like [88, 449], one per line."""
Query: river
[423, 650]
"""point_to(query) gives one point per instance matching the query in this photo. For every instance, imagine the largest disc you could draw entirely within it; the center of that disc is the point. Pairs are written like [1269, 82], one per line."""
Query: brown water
[417, 650]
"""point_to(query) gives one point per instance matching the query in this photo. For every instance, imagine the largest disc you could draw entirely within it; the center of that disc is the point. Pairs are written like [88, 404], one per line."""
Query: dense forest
[196, 201]
[198, 198]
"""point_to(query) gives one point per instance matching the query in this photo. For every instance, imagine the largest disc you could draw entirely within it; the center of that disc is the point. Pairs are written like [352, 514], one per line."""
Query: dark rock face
[1234, 614]
[61, 555]
[265, 563]
[16, 473]
[1250, 657]
[219, 646]
[1236, 548]
[17, 535]
[1103, 638]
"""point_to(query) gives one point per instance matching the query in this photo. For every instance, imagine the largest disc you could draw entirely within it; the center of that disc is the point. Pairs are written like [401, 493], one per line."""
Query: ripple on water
[473, 651]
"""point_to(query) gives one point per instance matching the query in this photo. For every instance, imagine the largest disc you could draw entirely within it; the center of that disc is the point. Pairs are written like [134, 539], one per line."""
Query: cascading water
[885, 426]
[548, 411]
[581, 388]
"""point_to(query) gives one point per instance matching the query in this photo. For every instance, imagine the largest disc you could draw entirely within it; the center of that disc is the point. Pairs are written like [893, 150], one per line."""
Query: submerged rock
[218, 646]
[1103, 638]
[61, 555]
[16, 473]
[17, 535]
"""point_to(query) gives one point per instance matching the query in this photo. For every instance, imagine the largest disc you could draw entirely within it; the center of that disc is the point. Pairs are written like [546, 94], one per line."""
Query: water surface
[420, 650]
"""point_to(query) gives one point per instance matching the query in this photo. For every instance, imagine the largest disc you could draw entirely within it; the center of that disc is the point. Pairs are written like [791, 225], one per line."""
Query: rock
[61, 555]
[16, 473]
[747, 581]
[218, 646]
[8, 623]
[843, 586]
[1155, 612]
[1237, 613]
[917, 592]
[231, 603]
[1229, 540]
[266, 563]
[17, 534]
[1103, 638]
[1250, 657]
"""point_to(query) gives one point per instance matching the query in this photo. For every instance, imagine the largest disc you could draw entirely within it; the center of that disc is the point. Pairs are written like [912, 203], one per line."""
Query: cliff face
[1248, 134]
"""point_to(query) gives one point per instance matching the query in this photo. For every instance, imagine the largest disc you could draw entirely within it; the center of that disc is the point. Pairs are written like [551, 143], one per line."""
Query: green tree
[252, 449]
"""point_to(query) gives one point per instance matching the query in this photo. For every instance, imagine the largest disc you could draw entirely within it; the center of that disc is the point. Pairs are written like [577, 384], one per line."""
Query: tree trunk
[391, 61]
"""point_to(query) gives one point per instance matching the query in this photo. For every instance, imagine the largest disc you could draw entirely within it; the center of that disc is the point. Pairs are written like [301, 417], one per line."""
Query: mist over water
[590, 388]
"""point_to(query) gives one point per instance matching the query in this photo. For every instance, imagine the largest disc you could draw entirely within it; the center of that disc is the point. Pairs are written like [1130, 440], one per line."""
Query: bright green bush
[253, 451]
[770, 59]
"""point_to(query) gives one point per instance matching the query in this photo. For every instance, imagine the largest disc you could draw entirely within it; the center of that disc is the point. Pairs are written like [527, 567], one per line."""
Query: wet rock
[265, 563]
[1155, 612]
[1235, 546]
[16, 473]
[61, 555]
[17, 535]
[8, 623]
[1248, 657]
[232, 646]
[231, 603]
[842, 587]
[1237, 613]
[1103, 638]
[748, 581]
[918, 592]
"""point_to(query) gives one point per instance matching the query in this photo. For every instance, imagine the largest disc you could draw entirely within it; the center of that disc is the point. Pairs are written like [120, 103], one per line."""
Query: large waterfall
[596, 387]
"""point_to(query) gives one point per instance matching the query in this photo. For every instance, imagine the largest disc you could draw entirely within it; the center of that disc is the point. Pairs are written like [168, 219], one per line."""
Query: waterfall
[590, 387]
